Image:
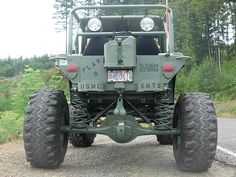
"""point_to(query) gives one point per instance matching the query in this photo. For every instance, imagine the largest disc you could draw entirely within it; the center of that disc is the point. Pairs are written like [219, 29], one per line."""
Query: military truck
[121, 65]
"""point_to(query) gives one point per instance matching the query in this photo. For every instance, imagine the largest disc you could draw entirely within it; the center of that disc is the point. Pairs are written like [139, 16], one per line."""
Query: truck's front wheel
[45, 144]
[195, 147]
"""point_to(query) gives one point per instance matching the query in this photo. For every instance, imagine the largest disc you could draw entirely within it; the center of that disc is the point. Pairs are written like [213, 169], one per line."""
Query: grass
[10, 126]
[226, 109]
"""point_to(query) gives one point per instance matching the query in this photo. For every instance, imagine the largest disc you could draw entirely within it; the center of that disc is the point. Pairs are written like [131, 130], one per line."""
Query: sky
[27, 29]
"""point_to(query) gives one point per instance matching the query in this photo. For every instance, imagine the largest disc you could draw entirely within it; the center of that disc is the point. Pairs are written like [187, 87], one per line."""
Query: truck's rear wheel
[82, 139]
[168, 112]
[165, 139]
[195, 148]
[45, 144]
[78, 113]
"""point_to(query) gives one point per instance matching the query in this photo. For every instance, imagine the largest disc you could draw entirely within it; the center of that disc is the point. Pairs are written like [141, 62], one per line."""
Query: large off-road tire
[81, 139]
[165, 139]
[45, 144]
[195, 147]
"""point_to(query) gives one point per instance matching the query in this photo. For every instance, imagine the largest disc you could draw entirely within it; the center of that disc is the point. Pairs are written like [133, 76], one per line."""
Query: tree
[203, 28]
[182, 26]
[62, 10]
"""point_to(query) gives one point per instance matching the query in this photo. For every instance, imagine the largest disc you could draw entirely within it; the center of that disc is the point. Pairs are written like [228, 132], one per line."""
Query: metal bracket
[119, 51]
[120, 110]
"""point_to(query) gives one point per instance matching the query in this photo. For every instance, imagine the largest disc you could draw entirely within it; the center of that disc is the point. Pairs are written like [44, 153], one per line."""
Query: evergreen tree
[203, 29]
[62, 10]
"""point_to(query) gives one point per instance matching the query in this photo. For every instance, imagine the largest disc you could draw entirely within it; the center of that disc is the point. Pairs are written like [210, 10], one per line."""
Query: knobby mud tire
[195, 148]
[45, 144]
[165, 139]
[81, 139]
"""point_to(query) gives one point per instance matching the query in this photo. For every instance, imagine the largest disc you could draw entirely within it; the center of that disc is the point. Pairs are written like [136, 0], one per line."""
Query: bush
[14, 94]
[29, 81]
[187, 80]
[210, 79]
[207, 78]
[54, 78]
[10, 126]
[6, 87]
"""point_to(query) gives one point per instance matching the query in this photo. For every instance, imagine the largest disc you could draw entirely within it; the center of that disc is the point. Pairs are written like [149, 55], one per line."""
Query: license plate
[120, 75]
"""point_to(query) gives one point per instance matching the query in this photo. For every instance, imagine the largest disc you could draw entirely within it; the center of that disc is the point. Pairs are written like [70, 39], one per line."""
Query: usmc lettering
[91, 86]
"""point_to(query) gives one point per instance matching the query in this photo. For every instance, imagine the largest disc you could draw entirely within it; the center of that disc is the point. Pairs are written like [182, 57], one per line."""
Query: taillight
[71, 68]
[168, 70]
[168, 67]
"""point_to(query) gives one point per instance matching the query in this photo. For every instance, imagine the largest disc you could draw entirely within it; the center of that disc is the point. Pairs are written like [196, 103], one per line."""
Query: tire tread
[42, 129]
[199, 132]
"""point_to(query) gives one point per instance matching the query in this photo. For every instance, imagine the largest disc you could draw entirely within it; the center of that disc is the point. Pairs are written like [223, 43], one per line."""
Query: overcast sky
[27, 29]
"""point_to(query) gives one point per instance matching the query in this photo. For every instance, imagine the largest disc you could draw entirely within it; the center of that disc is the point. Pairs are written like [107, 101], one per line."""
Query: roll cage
[78, 35]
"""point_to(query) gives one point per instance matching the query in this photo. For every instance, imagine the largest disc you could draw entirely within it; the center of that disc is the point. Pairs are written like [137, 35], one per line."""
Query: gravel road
[143, 157]
[226, 150]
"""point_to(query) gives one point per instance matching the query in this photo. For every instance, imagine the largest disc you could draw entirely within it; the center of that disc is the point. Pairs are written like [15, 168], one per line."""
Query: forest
[204, 30]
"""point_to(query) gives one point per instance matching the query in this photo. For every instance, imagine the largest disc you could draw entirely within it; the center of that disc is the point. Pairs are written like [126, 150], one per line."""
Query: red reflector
[72, 68]
[168, 68]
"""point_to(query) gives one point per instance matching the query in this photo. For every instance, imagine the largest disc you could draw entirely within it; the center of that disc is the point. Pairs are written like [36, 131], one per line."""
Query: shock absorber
[164, 112]
[79, 115]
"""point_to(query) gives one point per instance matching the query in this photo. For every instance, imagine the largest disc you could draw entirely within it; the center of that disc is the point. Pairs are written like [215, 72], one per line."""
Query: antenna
[167, 27]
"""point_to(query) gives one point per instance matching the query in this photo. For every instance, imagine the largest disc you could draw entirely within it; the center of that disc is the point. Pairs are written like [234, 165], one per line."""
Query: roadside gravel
[143, 157]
